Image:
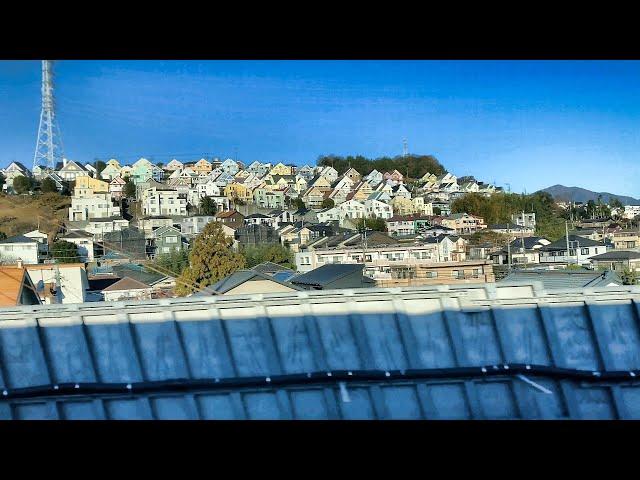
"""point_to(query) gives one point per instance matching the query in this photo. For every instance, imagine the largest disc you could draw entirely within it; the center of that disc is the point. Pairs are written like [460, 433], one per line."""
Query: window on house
[432, 275]
[585, 251]
[457, 273]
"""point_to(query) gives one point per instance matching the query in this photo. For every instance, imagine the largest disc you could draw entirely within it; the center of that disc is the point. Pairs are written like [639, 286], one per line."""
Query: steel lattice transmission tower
[49, 144]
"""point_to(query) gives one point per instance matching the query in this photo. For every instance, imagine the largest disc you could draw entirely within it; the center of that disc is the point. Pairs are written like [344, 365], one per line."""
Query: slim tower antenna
[49, 142]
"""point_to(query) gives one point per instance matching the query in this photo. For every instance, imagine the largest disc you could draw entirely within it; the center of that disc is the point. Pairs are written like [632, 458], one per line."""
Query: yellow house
[362, 191]
[281, 169]
[202, 166]
[301, 184]
[98, 186]
[242, 174]
[402, 206]
[322, 183]
[420, 207]
[238, 190]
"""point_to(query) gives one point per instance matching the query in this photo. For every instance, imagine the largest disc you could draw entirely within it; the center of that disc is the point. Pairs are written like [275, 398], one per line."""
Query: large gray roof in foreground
[470, 351]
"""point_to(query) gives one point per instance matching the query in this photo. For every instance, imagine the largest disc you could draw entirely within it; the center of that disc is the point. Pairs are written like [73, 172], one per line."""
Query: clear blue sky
[530, 124]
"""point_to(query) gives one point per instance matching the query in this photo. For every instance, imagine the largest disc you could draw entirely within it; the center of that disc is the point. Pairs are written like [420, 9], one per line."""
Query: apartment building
[156, 201]
[98, 205]
[464, 223]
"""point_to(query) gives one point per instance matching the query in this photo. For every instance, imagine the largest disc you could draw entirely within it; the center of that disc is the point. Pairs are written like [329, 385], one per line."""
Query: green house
[168, 238]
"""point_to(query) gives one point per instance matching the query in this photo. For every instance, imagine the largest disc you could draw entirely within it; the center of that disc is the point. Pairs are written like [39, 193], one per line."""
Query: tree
[160, 164]
[629, 277]
[374, 223]
[211, 259]
[3, 179]
[48, 186]
[437, 210]
[208, 206]
[22, 184]
[297, 203]
[415, 165]
[3, 235]
[268, 253]
[175, 261]
[65, 252]
[99, 165]
[129, 189]
[328, 203]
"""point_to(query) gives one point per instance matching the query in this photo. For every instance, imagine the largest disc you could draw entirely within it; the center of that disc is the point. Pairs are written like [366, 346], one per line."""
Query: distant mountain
[577, 194]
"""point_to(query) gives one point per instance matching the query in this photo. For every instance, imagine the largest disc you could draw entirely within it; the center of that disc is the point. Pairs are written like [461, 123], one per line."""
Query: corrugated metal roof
[425, 352]
[554, 279]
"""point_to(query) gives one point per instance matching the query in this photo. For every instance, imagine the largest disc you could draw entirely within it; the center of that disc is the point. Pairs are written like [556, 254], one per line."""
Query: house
[439, 208]
[524, 250]
[625, 239]
[111, 171]
[97, 205]
[353, 174]
[166, 239]
[561, 279]
[163, 201]
[402, 206]
[375, 208]
[435, 231]
[280, 217]
[580, 251]
[16, 288]
[194, 225]
[333, 277]
[314, 196]
[86, 183]
[127, 289]
[265, 198]
[305, 172]
[14, 170]
[70, 170]
[202, 166]
[245, 282]
[84, 241]
[174, 165]
[395, 177]
[59, 283]
[43, 242]
[116, 188]
[20, 249]
[464, 223]
[400, 225]
[524, 219]
[330, 174]
[98, 226]
[374, 178]
[400, 191]
[360, 191]
[230, 167]
[238, 190]
[281, 169]
[511, 229]
[617, 260]
[231, 218]
[258, 219]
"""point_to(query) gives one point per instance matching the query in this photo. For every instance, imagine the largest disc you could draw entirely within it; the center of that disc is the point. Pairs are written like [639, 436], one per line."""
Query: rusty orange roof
[11, 281]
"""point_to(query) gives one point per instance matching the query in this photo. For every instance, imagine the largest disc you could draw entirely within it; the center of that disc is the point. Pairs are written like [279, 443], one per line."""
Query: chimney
[20, 263]
[64, 162]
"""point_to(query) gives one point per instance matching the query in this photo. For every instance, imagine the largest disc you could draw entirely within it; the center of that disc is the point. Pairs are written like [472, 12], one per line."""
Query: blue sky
[531, 124]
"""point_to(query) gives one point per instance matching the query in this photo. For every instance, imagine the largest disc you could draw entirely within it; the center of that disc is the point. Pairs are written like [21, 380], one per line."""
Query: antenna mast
[49, 143]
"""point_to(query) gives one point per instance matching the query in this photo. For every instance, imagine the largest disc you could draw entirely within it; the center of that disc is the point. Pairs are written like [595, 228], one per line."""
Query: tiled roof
[11, 279]
[126, 283]
[418, 353]
[617, 255]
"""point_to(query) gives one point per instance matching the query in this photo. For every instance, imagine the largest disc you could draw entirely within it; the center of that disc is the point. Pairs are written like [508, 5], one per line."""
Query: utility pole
[509, 247]
[566, 229]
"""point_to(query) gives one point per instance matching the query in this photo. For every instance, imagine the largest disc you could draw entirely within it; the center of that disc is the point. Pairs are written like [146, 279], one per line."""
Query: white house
[70, 170]
[97, 206]
[84, 241]
[580, 251]
[157, 202]
[59, 283]
[375, 208]
[229, 166]
[127, 289]
[374, 178]
[19, 247]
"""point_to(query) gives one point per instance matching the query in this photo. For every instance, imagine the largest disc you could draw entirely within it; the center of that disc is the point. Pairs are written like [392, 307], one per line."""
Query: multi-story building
[156, 201]
[464, 223]
[98, 205]
[375, 208]
[580, 251]
[265, 198]
[400, 226]
[524, 219]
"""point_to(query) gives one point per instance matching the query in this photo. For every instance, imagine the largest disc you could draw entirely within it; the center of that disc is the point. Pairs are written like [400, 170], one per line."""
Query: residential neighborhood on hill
[130, 230]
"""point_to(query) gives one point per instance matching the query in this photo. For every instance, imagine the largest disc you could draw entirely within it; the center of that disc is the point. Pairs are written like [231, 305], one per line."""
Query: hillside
[416, 165]
[577, 194]
[21, 213]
